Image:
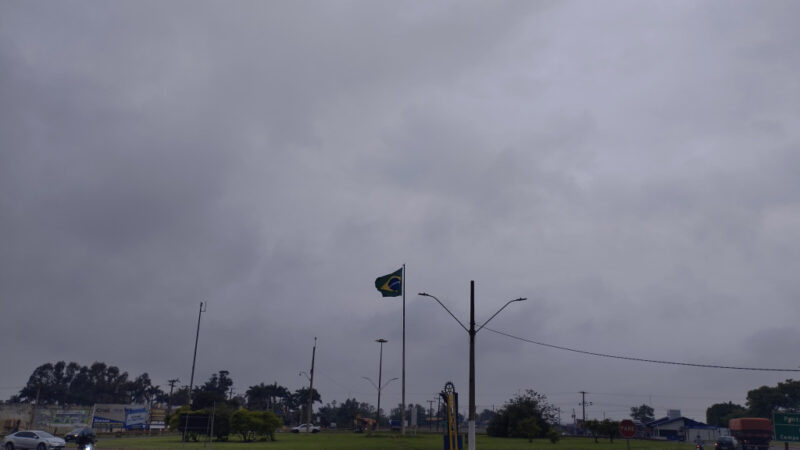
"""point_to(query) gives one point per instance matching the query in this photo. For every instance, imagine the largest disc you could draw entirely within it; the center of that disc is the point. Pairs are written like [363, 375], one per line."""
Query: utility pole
[311, 386]
[430, 414]
[171, 386]
[583, 405]
[438, 411]
[35, 405]
[194, 360]
[574, 426]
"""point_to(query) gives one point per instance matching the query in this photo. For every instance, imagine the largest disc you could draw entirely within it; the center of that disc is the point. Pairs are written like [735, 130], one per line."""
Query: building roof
[687, 422]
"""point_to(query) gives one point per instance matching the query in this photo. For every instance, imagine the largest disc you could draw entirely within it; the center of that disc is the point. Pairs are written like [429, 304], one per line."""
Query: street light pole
[379, 388]
[471, 420]
[381, 341]
[311, 386]
[471, 331]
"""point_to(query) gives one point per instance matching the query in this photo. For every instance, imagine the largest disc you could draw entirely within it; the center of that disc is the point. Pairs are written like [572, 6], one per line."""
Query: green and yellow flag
[390, 285]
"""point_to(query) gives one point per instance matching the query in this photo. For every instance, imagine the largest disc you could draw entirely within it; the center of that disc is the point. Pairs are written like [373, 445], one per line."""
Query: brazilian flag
[390, 285]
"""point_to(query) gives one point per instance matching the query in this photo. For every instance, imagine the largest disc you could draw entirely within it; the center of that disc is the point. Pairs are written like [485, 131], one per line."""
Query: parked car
[726, 443]
[85, 432]
[33, 439]
[303, 428]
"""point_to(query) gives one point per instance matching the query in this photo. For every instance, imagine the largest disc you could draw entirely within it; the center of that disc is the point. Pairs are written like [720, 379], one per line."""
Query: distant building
[675, 427]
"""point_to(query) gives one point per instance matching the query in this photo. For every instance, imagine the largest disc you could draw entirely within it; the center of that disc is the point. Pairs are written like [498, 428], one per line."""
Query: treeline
[63, 383]
[73, 384]
[761, 402]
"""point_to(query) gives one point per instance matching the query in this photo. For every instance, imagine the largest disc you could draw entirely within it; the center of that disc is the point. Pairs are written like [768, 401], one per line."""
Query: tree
[719, 414]
[181, 396]
[350, 409]
[394, 414]
[609, 428]
[594, 428]
[221, 416]
[219, 383]
[63, 383]
[246, 423]
[485, 416]
[214, 391]
[642, 413]
[528, 405]
[300, 400]
[258, 398]
[204, 399]
[791, 393]
[529, 428]
[270, 423]
[763, 401]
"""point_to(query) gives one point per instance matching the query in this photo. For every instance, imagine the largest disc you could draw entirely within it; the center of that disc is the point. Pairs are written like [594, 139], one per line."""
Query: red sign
[627, 429]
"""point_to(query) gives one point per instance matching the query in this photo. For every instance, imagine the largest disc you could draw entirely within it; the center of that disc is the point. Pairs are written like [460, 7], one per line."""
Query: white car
[303, 428]
[33, 439]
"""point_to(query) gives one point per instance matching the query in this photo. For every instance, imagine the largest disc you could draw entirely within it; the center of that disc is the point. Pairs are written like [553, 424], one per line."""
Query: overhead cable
[630, 358]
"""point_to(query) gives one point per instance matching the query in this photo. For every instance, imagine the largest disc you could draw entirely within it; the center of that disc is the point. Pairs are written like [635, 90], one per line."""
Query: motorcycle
[85, 444]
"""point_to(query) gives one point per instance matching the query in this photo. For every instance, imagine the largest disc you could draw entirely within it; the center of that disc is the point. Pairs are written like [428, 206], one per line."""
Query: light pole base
[471, 434]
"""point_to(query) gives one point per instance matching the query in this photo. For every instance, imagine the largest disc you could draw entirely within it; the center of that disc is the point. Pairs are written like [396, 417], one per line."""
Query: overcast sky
[629, 167]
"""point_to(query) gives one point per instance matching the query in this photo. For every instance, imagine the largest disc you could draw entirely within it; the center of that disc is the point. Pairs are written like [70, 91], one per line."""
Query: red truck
[753, 433]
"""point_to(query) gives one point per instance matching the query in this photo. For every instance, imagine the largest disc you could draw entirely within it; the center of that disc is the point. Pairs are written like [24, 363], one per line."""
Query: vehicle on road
[33, 439]
[363, 424]
[753, 433]
[303, 428]
[85, 433]
[726, 443]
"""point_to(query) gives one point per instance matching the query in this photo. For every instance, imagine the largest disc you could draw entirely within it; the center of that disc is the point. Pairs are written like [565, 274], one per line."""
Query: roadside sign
[786, 426]
[627, 429]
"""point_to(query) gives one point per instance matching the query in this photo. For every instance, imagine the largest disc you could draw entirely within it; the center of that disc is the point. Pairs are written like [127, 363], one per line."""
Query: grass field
[352, 441]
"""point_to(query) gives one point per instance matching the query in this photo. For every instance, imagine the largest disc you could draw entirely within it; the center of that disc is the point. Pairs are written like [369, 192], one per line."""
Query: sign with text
[627, 429]
[786, 426]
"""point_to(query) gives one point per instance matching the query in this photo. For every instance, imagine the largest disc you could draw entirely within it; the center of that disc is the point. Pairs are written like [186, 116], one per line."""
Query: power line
[630, 358]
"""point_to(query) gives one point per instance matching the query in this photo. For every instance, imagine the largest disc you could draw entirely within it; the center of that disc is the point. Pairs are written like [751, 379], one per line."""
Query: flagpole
[403, 409]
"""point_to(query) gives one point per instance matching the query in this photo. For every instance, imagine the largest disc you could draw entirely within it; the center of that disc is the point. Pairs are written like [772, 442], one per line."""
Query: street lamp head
[521, 299]
[424, 294]
[381, 340]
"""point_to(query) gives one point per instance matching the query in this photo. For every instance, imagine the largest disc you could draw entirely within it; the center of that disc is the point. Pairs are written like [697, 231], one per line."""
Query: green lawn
[352, 441]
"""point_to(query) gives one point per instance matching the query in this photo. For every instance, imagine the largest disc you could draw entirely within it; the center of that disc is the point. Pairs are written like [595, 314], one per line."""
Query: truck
[753, 433]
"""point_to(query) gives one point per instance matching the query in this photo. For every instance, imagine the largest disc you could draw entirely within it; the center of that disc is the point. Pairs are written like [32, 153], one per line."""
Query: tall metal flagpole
[403, 409]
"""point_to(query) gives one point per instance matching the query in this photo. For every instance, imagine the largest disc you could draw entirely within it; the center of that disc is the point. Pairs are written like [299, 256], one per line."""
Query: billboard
[119, 416]
[158, 418]
[70, 418]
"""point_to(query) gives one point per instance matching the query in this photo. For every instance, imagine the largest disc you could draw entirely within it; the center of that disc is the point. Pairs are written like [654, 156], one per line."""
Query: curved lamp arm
[498, 312]
[425, 294]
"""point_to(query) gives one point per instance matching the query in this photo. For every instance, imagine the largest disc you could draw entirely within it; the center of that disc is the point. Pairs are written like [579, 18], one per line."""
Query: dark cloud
[629, 170]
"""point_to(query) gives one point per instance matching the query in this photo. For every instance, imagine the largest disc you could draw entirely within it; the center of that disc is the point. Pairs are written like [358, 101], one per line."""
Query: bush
[198, 423]
[530, 408]
[251, 423]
